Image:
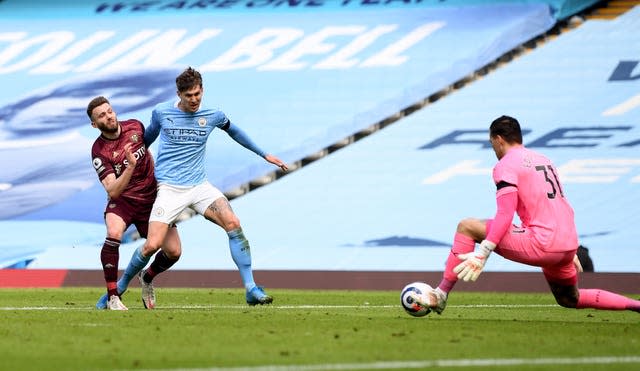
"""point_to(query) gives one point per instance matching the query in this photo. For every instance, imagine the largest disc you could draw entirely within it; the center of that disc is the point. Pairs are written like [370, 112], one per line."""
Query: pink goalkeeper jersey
[542, 206]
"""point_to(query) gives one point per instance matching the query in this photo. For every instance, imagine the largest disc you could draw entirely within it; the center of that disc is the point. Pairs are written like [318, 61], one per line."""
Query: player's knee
[231, 223]
[472, 227]
[173, 255]
[150, 248]
[467, 226]
[567, 301]
[566, 296]
[114, 233]
[173, 252]
[461, 226]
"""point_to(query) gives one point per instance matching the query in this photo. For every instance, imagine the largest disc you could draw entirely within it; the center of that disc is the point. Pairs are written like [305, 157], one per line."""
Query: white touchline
[303, 306]
[478, 362]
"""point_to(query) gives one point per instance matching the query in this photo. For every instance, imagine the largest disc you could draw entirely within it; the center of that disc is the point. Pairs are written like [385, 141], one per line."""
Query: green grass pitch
[213, 329]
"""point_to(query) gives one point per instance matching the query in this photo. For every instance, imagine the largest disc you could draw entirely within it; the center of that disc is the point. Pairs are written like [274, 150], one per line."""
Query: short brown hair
[188, 79]
[95, 102]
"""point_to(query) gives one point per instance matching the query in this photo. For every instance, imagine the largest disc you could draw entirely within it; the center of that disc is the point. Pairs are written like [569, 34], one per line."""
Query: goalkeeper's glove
[473, 262]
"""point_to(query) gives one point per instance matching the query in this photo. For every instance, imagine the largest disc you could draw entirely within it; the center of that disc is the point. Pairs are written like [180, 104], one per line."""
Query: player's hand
[276, 161]
[577, 264]
[471, 267]
[131, 159]
[473, 262]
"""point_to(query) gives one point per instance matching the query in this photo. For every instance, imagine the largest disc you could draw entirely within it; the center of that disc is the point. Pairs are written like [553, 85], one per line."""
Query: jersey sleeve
[243, 139]
[100, 164]
[222, 121]
[503, 173]
[152, 131]
[506, 208]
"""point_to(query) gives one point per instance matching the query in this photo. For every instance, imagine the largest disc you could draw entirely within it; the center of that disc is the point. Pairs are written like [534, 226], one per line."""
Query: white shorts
[173, 200]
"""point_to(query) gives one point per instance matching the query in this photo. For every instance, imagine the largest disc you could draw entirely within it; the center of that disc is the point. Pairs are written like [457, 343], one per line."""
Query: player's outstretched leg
[602, 299]
[136, 264]
[256, 296]
[241, 254]
[436, 300]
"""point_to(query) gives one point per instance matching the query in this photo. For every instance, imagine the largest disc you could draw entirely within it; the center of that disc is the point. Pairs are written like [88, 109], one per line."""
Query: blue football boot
[102, 302]
[257, 296]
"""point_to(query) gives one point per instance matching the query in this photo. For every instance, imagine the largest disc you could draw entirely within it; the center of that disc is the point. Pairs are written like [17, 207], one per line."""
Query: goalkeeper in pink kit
[527, 184]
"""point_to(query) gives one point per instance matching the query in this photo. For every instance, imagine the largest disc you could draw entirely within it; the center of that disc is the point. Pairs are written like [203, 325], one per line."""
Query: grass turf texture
[46, 329]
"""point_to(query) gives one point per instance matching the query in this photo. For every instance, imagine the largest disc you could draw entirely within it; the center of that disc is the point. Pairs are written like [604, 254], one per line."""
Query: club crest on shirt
[114, 154]
[202, 122]
[135, 138]
[117, 168]
[158, 211]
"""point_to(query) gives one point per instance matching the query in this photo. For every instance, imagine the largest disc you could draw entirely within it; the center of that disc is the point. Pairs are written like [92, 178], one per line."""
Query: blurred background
[381, 108]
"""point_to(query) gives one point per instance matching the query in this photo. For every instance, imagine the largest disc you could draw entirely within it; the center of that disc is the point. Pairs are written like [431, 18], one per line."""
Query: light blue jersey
[183, 139]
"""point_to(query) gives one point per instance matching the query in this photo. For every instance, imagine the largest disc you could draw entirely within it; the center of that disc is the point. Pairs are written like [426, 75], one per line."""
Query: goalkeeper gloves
[473, 262]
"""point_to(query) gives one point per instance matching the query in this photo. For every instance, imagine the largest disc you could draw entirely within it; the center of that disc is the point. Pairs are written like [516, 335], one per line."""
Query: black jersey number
[555, 184]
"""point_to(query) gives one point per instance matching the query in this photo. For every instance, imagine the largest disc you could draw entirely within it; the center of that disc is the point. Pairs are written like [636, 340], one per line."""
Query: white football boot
[148, 295]
[115, 303]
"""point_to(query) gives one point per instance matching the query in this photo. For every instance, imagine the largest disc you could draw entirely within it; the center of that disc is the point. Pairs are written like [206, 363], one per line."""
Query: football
[409, 305]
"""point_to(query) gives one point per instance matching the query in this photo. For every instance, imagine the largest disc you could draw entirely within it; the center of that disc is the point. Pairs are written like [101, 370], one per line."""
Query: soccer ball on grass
[409, 305]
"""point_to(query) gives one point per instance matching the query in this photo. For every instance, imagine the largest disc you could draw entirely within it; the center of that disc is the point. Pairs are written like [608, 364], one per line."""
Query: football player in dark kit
[126, 170]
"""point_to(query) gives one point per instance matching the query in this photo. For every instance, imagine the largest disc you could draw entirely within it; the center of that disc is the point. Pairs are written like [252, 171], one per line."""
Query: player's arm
[506, 202]
[151, 132]
[243, 139]
[473, 263]
[115, 186]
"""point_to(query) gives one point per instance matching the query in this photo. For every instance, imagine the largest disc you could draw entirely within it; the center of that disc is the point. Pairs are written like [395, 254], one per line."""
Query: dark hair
[585, 259]
[95, 102]
[508, 128]
[188, 79]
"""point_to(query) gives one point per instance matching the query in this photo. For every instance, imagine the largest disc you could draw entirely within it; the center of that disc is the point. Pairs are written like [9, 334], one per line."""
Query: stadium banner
[392, 200]
[295, 83]
[31, 9]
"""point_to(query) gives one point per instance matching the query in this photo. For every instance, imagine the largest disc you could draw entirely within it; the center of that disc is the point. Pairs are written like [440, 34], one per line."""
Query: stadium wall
[321, 280]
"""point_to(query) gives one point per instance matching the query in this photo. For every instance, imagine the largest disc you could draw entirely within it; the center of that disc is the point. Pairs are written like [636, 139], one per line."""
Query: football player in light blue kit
[183, 127]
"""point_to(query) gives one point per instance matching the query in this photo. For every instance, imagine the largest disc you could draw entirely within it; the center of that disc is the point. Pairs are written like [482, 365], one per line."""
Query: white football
[409, 305]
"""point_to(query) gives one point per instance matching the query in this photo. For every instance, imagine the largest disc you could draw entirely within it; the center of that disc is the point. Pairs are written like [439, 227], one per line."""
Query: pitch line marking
[488, 362]
[302, 306]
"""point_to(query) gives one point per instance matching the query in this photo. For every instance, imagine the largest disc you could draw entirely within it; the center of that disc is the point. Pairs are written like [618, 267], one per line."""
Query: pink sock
[461, 245]
[601, 299]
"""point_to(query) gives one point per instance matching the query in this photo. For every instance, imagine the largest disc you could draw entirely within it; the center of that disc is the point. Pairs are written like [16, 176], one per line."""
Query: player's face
[104, 119]
[190, 99]
[498, 147]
